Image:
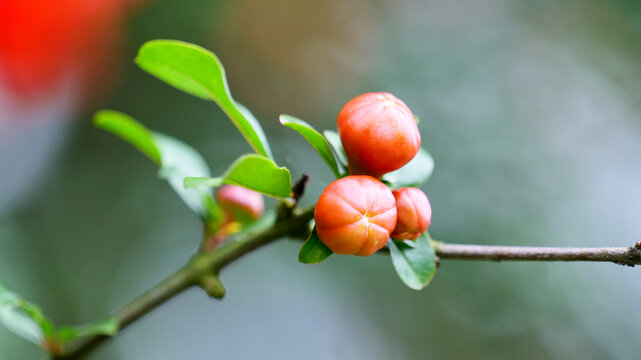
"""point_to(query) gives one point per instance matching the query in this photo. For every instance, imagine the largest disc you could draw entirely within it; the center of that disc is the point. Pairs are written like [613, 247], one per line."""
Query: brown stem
[620, 255]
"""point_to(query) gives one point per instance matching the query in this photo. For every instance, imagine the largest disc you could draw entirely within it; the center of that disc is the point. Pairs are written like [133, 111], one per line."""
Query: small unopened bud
[379, 134]
[414, 213]
[240, 204]
[213, 286]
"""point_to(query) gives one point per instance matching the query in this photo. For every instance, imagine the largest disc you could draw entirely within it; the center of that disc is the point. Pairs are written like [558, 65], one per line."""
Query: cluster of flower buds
[358, 213]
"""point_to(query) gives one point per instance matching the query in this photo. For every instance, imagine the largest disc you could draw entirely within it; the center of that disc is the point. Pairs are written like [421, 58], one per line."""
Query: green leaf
[190, 182]
[129, 130]
[179, 160]
[415, 173]
[313, 250]
[108, 326]
[317, 140]
[259, 174]
[198, 71]
[23, 318]
[175, 159]
[414, 261]
[335, 141]
[253, 172]
[27, 321]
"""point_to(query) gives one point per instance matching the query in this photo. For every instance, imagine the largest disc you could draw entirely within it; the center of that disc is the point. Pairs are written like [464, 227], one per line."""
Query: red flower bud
[355, 215]
[379, 134]
[414, 213]
[240, 204]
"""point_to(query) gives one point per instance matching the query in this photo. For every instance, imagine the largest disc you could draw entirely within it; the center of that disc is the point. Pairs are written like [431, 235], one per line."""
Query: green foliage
[335, 141]
[175, 159]
[414, 261]
[414, 174]
[24, 319]
[108, 326]
[192, 182]
[253, 172]
[27, 321]
[198, 72]
[178, 161]
[317, 140]
[313, 250]
[259, 174]
[129, 130]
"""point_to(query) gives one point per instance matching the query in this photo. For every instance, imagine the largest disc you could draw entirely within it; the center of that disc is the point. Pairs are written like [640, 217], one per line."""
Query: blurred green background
[531, 109]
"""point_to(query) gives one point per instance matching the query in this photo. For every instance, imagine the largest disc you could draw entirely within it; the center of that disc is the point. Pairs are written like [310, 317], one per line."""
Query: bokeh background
[531, 109]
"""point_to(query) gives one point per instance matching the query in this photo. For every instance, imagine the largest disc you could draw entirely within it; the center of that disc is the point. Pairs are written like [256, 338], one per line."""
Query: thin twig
[620, 255]
[202, 264]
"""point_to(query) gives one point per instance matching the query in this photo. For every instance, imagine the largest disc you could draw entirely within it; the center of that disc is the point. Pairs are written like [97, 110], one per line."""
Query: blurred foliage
[530, 109]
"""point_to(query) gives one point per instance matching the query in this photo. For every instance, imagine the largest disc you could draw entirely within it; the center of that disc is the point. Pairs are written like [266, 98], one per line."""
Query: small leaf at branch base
[24, 319]
[414, 261]
[197, 71]
[253, 172]
[335, 141]
[317, 140]
[313, 250]
[108, 326]
[414, 174]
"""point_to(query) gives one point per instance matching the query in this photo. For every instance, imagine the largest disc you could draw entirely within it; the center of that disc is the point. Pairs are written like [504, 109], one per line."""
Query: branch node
[633, 255]
[286, 208]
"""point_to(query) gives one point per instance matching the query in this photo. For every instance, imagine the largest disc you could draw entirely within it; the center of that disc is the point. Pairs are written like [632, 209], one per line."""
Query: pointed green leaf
[313, 250]
[253, 172]
[317, 140]
[414, 261]
[23, 318]
[198, 71]
[129, 130]
[414, 174]
[175, 159]
[334, 141]
[180, 160]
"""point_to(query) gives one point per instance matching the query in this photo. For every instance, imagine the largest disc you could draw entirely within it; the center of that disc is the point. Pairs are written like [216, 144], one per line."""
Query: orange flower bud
[379, 134]
[355, 215]
[414, 213]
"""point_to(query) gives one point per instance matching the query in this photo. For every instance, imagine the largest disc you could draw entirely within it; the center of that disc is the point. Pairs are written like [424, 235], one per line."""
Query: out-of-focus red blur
[44, 43]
